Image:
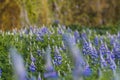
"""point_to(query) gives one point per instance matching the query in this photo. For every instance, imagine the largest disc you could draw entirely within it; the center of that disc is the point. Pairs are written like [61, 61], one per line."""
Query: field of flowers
[59, 53]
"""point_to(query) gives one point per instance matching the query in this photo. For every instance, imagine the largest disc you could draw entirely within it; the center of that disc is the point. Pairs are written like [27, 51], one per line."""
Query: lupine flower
[56, 21]
[79, 62]
[26, 31]
[59, 30]
[0, 72]
[32, 58]
[76, 35]
[84, 36]
[86, 47]
[87, 71]
[57, 60]
[39, 52]
[116, 50]
[69, 30]
[44, 30]
[32, 67]
[112, 40]
[102, 61]
[56, 50]
[103, 49]
[39, 39]
[94, 55]
[96, 41]
[18, 65]
[108, 56]
[50, 72]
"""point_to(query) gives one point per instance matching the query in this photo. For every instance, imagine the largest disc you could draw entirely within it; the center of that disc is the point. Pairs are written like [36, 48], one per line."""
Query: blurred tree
[9, 14]
[84, 12]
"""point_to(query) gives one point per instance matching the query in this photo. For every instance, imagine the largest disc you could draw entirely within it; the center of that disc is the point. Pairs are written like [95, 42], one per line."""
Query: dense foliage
[60, 53]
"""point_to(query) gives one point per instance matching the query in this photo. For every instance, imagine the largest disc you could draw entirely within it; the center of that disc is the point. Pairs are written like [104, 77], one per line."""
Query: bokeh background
[23, 13]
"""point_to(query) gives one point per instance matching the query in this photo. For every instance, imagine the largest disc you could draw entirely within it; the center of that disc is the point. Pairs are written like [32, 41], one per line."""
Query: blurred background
[24, 13]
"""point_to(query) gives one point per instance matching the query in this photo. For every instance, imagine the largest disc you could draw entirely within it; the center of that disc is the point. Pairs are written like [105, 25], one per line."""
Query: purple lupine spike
[86, 47]
[44, 30]
[57, 60]
[39, 39]
[78, 59]
[103, 48]
[102, 60]
[113, 65]
[108, 56]
[84, 36]
[76, 35]
[87, 71]
[32, 67]
[57, 57]
[39, 52]
[69, 30]
[18, 65]
[56, 22]
[57, 50]
[118, 36]
[32, 58]
[0, 72]
[116, 50]
[50, 72]
[96, 41]
[94, 55]
[59, 31]
[112, 40]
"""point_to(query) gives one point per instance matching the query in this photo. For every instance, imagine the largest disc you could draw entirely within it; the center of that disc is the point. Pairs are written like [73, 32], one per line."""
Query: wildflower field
[59, 53]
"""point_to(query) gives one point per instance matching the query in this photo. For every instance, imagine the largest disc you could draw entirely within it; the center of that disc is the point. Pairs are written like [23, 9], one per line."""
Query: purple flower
[39, 52]
[51, 74]
[76, 35]
[87, 71]
[112, 40]
[96, 41]
[83, 36]
[57, 60]
[102, 60]
[57, 50]
[0, 72]
[113, 67]
[69, 30]
[32, 67]
[87, 48]
[56, 21]
[18, 65]
[44, 30]
[59, 31]
[32, 58]
[116, 50]
[39, 39]
[103, 49]
[78, 59]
